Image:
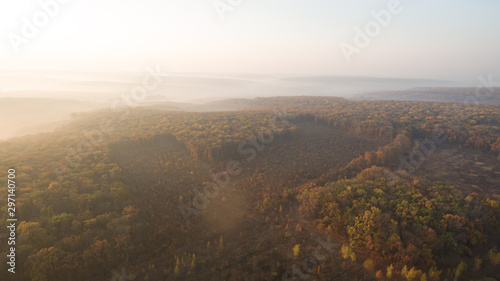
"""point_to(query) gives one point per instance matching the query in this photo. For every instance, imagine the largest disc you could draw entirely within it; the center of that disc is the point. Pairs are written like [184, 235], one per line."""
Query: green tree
[32, 233]
[361, 233]
[45, 264]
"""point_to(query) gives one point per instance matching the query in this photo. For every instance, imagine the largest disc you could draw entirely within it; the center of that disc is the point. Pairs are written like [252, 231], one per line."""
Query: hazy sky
[446, 39]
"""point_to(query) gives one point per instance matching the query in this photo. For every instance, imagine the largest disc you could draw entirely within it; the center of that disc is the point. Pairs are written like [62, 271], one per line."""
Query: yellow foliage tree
[296, 250]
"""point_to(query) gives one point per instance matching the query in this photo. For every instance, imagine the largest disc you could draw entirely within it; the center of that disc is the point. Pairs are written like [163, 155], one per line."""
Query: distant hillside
[198, 88]
[463, 95]
[243, 104]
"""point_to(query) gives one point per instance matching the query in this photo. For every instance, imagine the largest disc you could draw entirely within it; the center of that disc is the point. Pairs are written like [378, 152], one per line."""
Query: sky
[448, 39]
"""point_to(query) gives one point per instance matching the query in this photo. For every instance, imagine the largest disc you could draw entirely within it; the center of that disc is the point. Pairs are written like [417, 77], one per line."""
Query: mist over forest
[32, 102]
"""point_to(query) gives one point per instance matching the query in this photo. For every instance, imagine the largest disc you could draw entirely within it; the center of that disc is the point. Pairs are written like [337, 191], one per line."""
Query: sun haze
[451, 40]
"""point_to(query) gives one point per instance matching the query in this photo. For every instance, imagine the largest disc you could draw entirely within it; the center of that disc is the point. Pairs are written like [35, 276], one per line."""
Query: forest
[482, 95]
[283, 188]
